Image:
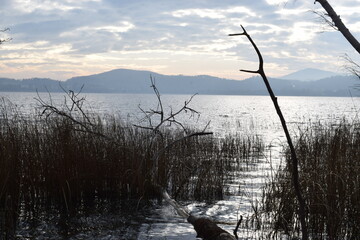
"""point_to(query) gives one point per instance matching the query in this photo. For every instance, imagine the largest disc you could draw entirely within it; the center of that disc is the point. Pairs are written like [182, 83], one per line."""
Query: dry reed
[54, 162]
[329, 172]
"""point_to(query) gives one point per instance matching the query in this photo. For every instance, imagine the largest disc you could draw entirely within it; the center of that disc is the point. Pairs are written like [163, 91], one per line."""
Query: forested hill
[134, 81]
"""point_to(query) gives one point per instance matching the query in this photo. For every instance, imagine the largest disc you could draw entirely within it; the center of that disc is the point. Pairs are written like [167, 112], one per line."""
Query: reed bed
[329, 172]
[55, 162]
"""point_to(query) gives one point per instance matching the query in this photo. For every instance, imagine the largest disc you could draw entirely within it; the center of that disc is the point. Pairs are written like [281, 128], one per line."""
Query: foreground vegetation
[53, 161]
[69, 162]
[329, 173]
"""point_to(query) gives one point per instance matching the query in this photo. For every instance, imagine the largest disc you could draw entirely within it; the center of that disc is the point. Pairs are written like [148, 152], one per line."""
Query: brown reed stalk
[52, 162]
[329, 176]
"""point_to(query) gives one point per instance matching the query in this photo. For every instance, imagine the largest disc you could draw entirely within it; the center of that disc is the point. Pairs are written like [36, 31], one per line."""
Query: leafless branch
[170, 119]
[70, 111]
[336, 21]
[325, 19]
[237, 227]
[352, 66]
[294, 161]
[6, 39]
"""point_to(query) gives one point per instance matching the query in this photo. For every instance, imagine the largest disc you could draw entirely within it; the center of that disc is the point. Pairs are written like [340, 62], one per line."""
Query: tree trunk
[339, 24]
[208, 230]
[204, 227]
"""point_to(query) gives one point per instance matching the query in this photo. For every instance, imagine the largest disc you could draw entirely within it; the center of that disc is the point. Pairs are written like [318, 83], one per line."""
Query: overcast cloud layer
[60, 39]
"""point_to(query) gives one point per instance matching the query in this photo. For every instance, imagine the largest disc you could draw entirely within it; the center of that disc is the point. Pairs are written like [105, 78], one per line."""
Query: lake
[227, 115]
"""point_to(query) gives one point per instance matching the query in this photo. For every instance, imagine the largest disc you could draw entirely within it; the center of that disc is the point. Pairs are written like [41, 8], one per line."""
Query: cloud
[302, 32]
[86, 36]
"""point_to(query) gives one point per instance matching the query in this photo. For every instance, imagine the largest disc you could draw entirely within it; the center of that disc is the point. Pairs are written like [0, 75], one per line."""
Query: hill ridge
[138, 81]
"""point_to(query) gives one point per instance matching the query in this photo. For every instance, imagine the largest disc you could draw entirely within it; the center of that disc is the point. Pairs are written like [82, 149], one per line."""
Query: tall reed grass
[54, 162]
[329, 171]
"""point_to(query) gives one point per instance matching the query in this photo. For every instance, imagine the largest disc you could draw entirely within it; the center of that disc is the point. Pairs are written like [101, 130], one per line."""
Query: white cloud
[217, 13]
[179, 36]
[28, 6]
[278, 2]
[120, 27]
[203, 13]
[302, 32]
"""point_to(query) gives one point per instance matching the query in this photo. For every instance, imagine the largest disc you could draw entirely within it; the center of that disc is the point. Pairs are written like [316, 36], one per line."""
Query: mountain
[29, 85]
[134, 81]
[309, 74]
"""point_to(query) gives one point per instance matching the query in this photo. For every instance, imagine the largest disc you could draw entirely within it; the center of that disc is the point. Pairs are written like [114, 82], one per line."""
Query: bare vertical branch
[157, 93]
[294, 164]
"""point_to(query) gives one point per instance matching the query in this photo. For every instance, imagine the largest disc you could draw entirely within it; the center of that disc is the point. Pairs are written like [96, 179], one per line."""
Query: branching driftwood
[294, 161]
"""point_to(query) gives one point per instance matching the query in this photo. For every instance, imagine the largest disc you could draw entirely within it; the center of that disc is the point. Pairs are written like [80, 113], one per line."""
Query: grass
[329, 172]
[55, 162]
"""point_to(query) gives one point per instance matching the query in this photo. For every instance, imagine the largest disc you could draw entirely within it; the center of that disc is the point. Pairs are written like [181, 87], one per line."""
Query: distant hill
[309, 74]
[134, 81]
[29, 85]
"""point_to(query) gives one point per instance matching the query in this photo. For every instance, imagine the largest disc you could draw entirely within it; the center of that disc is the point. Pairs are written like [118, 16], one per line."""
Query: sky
[60, 39]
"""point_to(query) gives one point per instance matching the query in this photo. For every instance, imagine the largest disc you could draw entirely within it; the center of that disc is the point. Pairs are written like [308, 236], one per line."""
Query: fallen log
[204, 227]
[208, 229]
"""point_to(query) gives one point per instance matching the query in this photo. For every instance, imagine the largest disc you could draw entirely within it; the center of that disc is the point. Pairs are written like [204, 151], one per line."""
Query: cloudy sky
[60, 39]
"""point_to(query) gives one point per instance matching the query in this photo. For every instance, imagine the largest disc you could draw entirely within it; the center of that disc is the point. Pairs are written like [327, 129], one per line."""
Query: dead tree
[294, 161]
[331, 18]
[338, 24]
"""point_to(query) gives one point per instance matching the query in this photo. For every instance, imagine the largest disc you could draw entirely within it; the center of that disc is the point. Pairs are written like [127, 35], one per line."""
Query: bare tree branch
[237, 227]
[6, 39]
[324, 18]
[170, 119]
[352, 66]
[167, 119]
[294, 163]
[338, 23]
[82, 122]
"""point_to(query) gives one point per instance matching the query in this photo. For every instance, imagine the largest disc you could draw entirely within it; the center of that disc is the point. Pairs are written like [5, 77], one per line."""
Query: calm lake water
[227, 115]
